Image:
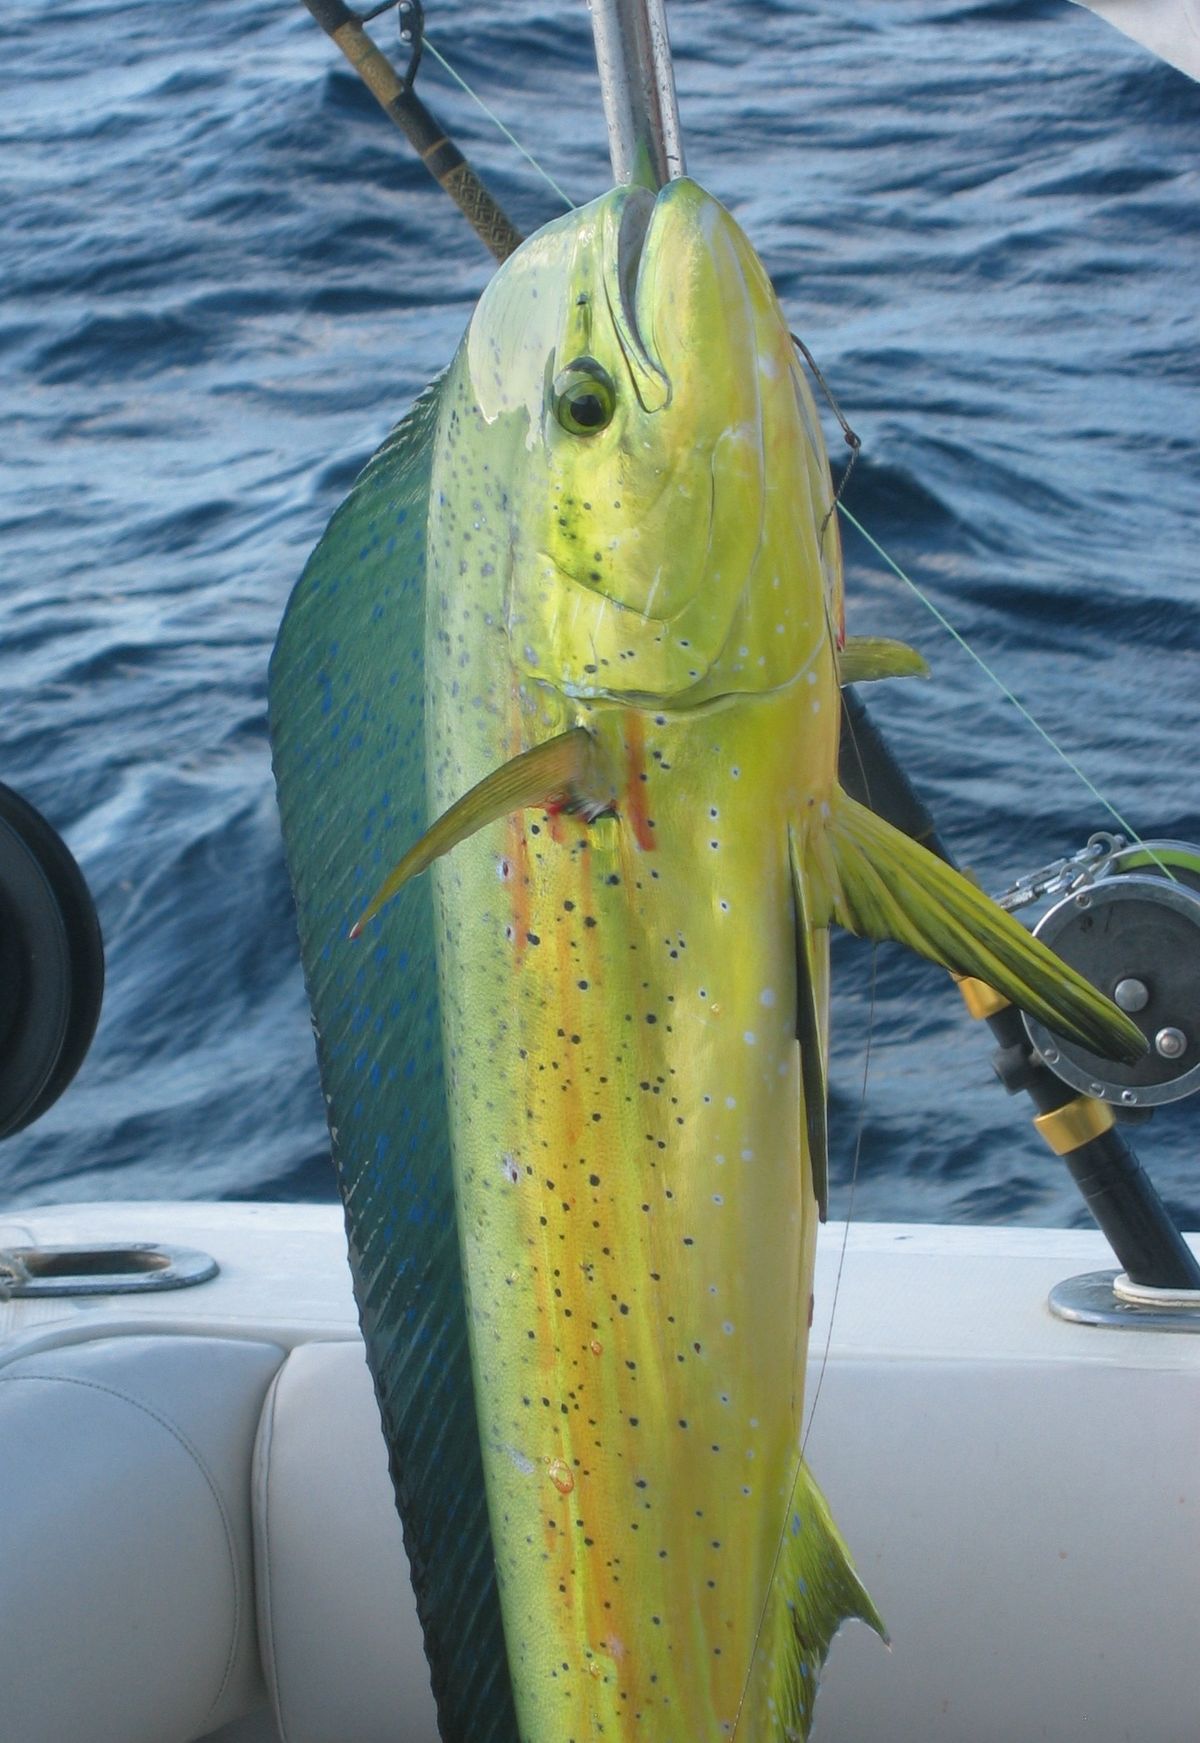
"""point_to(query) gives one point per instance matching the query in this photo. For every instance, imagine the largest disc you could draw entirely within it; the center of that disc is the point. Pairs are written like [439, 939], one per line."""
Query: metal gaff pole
[633, 56]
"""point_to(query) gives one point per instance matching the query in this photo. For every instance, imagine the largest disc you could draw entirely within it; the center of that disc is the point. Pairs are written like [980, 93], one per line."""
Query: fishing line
[837, 1284]
[852, 439]
[858, 1143]
[1003, 688]
[493, 117]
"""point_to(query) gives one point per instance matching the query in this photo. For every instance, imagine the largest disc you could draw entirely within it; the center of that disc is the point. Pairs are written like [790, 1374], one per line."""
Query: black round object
[51, 964]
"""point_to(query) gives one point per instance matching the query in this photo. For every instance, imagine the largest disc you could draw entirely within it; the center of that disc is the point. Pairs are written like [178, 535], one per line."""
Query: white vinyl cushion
[126, 1597]
[341, 1643]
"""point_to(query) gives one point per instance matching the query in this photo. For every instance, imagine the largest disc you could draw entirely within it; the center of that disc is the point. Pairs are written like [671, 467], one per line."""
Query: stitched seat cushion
[126, 1572]
[341, 1643]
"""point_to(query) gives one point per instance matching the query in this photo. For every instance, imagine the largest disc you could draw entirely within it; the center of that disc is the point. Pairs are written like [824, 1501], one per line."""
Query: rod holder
[1116, 1189]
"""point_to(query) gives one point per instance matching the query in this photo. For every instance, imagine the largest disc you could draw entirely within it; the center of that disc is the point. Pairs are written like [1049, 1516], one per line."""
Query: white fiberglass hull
[194, 1490]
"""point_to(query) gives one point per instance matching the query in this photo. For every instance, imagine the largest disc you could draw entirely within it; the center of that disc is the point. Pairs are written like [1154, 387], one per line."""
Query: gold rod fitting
[980, 999]
[1075, 1123]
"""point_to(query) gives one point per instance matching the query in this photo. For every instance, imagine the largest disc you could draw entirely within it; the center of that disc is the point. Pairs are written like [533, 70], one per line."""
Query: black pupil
[587, 409]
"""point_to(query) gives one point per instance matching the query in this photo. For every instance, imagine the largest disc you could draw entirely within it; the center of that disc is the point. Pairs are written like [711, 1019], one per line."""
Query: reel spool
[1131, 926]
[51, 964]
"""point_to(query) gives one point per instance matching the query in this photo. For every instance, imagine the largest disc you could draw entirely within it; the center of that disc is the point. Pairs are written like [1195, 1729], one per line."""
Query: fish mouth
[629, 221]
[633, 227]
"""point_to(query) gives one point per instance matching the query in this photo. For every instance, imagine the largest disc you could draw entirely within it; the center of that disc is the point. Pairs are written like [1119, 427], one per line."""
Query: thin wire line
[849, 1218]
[812, 1409]
[492, 116]
[1003, 688]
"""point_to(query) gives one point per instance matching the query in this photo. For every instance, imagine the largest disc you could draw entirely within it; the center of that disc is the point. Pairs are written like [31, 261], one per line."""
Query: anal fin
[815, 1589]
[810, 1031]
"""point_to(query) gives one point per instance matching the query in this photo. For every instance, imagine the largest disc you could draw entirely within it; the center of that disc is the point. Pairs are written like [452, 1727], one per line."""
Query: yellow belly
[636, 1214]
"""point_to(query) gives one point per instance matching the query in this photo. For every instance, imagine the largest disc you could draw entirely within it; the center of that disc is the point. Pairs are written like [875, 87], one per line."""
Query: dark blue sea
[224, 276]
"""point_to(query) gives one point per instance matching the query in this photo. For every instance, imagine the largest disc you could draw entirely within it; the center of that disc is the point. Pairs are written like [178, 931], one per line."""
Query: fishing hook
[853, 441]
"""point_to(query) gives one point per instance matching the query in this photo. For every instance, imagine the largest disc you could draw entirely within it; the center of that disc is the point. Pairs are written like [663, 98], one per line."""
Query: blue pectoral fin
[347, 735]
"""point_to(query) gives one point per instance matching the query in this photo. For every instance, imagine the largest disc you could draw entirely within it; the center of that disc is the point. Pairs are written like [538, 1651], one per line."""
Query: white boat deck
[1020, 1493]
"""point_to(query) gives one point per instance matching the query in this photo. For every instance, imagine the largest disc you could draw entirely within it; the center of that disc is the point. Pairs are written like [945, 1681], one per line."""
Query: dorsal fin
[347, 733]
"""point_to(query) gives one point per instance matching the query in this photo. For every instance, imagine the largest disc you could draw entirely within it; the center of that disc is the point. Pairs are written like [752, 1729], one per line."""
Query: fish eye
[585, 397]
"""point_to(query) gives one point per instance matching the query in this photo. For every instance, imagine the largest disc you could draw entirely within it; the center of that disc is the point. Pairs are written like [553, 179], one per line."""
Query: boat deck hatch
[103, 1268]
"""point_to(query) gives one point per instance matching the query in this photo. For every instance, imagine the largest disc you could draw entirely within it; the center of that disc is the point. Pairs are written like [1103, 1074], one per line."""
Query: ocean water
[223, 276]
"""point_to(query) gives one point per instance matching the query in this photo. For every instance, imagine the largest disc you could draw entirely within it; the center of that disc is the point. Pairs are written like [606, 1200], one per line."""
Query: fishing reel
[1128, 918]
[51, 964]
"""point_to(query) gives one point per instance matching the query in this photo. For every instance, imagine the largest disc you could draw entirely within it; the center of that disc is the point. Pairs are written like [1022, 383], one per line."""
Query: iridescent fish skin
[637, 1216]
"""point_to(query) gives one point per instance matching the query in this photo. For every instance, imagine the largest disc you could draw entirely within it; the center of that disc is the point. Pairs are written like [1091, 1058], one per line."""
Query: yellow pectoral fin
[864, 658]
[566, 772]
[877, 882]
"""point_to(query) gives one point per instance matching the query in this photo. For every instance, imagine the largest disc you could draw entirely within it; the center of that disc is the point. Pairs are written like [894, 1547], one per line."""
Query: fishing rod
[1073, 1114]
[399, 101]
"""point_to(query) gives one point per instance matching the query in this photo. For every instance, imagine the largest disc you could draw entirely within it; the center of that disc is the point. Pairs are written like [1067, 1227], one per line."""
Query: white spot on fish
[510, 1170]
[719, 1159]
[750, 1038]
[747, 1155]
[816, 707]
[727, 1328]
[810, 677]
[730, 1101]
[525, 1465]
[717, 1199]
[766, 997]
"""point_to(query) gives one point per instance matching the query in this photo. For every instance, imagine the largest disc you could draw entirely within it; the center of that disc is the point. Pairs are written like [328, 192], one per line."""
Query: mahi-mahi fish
[633, 649]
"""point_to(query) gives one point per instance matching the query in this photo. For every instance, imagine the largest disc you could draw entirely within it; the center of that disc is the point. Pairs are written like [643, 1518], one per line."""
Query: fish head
[664, 473]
